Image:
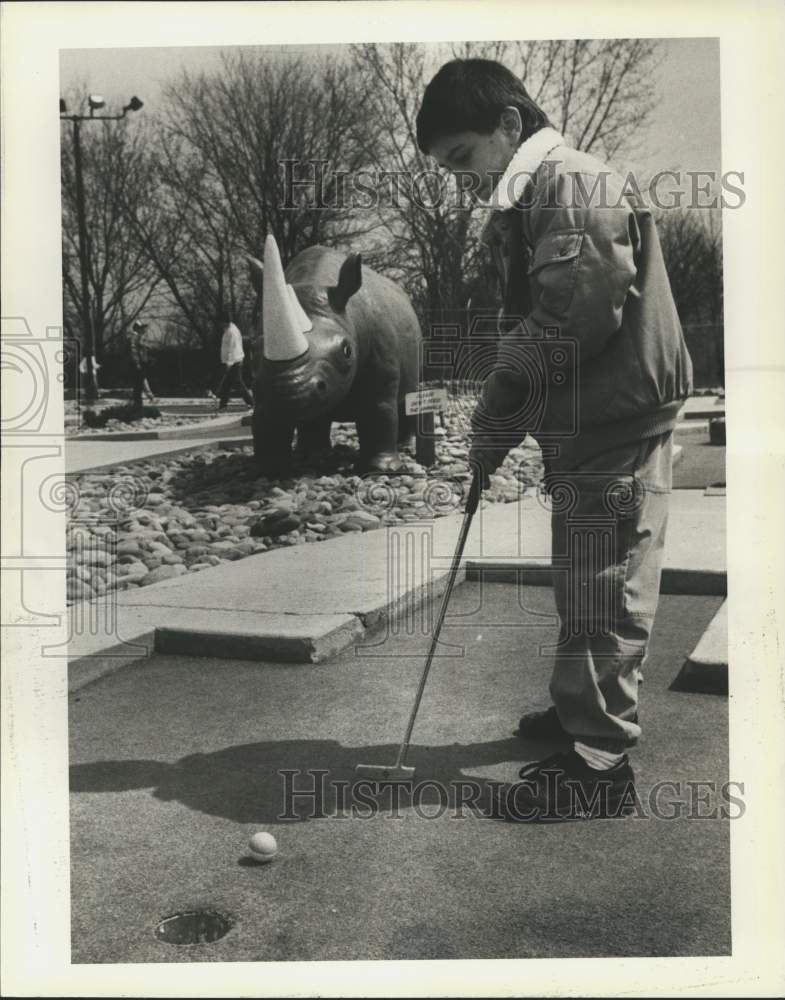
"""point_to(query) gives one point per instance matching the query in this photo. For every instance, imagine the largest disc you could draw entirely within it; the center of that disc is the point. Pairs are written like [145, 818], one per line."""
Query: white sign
[425, 401]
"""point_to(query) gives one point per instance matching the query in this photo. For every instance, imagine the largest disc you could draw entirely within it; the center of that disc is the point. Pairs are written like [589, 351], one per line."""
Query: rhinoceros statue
[338, 342]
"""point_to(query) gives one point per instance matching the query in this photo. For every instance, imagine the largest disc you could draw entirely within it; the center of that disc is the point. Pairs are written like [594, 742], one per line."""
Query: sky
[684, 131]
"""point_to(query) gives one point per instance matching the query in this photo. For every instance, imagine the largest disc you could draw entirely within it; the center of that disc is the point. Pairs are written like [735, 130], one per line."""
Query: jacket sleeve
[581, 270]
[226, 345]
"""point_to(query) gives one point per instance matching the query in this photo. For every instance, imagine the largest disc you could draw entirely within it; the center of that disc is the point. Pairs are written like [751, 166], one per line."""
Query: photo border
[35, 913]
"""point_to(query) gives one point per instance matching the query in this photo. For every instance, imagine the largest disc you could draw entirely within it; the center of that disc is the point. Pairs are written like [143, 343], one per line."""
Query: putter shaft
[399, 769]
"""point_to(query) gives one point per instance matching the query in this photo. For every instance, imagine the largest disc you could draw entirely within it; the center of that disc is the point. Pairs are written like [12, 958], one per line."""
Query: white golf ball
[263, 846]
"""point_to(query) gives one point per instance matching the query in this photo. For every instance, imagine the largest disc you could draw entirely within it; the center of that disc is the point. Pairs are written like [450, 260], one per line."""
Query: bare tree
[253, 149]
[265, 145]
[597, 92]
[117, 171]
[164, 225]
[424, 235]
[692, 247]
[691, 243]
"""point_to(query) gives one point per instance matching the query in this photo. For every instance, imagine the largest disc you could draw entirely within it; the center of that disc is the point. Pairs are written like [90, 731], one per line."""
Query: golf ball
[263, 846]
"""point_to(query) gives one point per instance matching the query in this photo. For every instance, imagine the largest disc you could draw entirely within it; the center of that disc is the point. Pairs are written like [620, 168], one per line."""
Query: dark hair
[469, 95]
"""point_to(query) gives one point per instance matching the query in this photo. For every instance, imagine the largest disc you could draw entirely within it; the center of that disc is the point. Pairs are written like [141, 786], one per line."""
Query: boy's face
[483, 157]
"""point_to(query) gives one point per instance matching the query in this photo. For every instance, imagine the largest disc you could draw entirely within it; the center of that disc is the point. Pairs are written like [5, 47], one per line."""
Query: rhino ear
[256, 272]
[349, 281]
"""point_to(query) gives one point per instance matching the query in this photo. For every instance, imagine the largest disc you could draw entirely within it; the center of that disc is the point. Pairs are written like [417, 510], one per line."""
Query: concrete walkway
[306, 602]
[706, 668]
[208, 426]
[86, 455]
[702, 407]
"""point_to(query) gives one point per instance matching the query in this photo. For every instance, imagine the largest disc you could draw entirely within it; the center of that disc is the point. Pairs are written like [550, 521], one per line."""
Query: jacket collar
[522, 167]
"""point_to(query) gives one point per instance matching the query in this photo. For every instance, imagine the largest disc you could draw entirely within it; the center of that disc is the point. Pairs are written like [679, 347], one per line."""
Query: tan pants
[608, 526]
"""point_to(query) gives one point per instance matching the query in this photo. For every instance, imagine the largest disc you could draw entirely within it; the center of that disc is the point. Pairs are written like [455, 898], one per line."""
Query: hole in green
[193, 927]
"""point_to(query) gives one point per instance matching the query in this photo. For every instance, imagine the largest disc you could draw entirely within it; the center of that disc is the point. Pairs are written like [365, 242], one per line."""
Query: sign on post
[425, 401]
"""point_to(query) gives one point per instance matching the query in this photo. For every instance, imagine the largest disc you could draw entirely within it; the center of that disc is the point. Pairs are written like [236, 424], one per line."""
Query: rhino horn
[284, 322]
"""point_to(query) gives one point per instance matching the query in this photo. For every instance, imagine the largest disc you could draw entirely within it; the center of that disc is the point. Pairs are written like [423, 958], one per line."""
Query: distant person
[141, 360]
[83, 370]
[232, 356]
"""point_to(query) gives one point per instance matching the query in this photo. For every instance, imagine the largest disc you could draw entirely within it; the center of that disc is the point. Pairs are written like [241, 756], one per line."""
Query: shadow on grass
[244, 783]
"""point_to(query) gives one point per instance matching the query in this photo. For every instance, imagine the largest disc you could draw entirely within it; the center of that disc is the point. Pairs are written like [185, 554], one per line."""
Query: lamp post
[95, 103]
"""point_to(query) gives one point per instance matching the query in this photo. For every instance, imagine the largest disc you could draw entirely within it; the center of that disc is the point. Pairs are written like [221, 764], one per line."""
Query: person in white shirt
[83, 371]
[232, 355]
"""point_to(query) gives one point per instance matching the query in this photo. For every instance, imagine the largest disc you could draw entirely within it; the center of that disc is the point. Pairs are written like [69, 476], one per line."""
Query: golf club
[399, 771]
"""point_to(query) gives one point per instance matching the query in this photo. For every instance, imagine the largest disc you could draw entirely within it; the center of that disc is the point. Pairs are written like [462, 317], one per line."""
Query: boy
[591, 361]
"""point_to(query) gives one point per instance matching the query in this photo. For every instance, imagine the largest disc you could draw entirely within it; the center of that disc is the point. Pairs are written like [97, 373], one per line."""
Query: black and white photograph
[378, 553]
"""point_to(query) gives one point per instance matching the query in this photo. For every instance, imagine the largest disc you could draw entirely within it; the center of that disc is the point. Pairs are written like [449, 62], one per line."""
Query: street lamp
[95, 103]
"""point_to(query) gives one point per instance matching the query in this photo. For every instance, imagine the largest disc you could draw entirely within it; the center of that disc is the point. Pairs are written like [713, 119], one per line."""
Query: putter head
[381, 773]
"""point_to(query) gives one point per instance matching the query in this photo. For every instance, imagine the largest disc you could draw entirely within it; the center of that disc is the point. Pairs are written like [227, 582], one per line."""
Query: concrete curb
[202, 446]
[539, 573]
[702, 407]
[319, 642]
[184, 449]
[236, 645]
[141, 631]
[183, 432]
[705, 413]
[84, 670]
[167, 621]
[305, 603]
[705, 670]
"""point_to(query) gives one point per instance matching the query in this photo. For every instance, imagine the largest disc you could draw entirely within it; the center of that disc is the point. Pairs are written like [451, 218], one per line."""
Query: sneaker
[563, 787]
[546, 726]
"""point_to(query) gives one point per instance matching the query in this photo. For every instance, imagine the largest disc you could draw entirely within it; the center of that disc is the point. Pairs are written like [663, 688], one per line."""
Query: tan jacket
[592, 353]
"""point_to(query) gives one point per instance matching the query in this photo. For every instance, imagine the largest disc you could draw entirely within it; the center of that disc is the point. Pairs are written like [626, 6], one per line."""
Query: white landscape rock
[162, 573]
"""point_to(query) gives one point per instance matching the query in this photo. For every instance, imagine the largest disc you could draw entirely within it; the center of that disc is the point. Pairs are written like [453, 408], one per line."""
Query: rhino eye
[347, 350]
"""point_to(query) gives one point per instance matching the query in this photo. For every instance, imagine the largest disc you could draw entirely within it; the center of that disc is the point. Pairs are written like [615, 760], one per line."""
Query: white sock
[600, 760]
